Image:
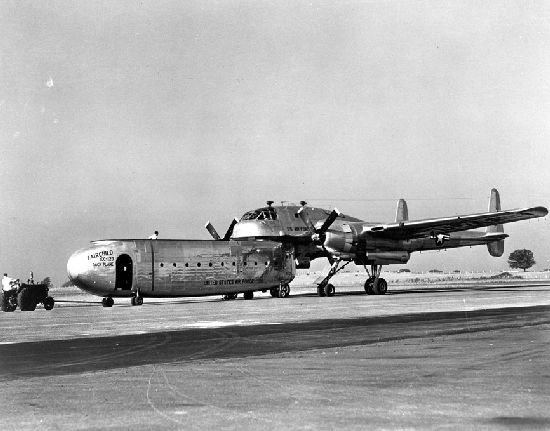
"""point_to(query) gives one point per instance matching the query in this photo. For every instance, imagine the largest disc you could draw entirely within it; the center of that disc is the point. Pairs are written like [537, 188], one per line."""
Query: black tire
[5, 304]
[284, 291]
[369, 286]
[380, 287]
[48, 303]
[321, 291]
[248, 295]
[274, 291]
[107, 301]
[25, 300]
[329, 290]
[139, 300]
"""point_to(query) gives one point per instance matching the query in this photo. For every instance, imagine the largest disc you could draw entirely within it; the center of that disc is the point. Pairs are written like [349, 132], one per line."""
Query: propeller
[318, 235]
[227, 235]
[212, 231]
[229, 232]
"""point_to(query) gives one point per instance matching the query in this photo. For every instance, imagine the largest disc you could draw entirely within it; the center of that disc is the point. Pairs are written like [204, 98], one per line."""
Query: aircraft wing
[422, 228]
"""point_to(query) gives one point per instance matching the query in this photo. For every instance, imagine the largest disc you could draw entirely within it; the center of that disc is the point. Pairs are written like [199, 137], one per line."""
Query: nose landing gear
[324, 288]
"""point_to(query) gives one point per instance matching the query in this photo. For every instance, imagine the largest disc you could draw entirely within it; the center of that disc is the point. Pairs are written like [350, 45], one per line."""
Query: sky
[121, 118]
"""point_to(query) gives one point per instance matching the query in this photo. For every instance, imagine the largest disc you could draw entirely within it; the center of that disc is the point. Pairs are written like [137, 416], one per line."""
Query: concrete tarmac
[468, 357]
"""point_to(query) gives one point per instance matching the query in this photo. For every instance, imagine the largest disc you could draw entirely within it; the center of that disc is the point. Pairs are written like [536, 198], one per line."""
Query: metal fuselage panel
[172, 268]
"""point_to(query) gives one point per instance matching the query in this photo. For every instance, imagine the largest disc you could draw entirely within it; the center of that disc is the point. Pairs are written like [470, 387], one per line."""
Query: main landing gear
[374, 284]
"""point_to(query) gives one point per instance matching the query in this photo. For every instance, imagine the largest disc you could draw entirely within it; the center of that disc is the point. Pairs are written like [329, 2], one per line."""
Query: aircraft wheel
[369, 286]
[248, 295]
[284, 291]
[136, 300]
[108, 301]
[380, 287]
[25, 300]
[329, 290]
[48, 303]
[321, 290]
[274, 291]
[229, 297]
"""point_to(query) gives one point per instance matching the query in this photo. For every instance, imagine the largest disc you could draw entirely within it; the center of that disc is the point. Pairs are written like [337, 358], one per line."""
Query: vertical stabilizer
[496, 248]
[402, 213]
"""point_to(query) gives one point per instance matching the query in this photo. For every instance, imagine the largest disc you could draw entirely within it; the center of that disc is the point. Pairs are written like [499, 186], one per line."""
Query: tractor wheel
[5, 304]
[48, 303]
[25, 300]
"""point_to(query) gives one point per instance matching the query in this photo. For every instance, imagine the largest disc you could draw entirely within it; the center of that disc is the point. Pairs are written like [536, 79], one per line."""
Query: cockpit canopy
[267, 213]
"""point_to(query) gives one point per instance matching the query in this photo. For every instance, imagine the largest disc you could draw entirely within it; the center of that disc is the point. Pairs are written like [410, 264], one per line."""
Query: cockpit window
[267, 213]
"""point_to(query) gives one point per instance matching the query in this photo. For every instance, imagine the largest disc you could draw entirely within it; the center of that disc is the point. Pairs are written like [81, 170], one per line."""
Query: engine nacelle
[339, 242]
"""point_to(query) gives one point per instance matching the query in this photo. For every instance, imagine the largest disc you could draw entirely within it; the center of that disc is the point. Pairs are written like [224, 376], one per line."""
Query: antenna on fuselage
[269, 203]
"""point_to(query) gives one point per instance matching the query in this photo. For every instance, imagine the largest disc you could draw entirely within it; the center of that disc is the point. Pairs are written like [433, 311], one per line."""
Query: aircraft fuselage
[173, 268]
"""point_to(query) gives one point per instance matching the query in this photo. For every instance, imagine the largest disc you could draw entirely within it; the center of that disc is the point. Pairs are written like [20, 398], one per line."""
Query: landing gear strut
[324, 288]
[374, 284]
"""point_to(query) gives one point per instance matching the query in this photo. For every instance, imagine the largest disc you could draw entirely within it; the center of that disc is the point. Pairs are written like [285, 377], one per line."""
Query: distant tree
[47, 281]
[521, 259]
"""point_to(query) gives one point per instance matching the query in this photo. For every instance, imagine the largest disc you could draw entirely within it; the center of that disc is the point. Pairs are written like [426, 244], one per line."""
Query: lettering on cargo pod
[231, 282]
[102, 258]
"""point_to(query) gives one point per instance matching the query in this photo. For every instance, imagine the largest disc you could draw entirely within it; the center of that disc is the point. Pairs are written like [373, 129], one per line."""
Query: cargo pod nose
[77, 266]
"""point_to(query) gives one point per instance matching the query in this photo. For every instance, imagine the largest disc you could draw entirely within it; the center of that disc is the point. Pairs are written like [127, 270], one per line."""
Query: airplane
[262, 250]
[312, 233]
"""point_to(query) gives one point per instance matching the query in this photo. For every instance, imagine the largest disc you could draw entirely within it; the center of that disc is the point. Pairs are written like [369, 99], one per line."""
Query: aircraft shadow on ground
[57, 357]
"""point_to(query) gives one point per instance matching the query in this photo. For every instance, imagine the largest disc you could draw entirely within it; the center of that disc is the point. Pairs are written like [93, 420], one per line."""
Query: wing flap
[422, 228]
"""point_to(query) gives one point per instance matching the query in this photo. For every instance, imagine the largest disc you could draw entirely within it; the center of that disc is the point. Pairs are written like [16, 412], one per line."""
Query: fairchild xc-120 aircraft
[262, 250]
[314, 232]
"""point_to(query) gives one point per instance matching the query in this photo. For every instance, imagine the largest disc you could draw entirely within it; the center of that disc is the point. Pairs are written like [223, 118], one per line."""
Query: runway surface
[467, 356]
